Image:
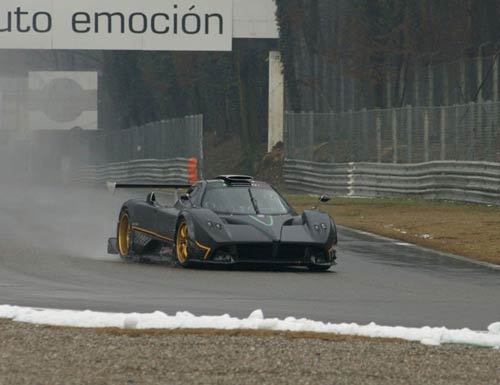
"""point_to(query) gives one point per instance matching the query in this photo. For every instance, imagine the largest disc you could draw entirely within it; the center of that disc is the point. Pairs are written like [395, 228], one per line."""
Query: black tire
[124, 235]
[318, 268]
[181, 248]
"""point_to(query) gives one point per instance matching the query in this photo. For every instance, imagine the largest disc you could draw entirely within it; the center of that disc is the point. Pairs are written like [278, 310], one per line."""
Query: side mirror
[185, 198]
[324, 199]
[151, 198]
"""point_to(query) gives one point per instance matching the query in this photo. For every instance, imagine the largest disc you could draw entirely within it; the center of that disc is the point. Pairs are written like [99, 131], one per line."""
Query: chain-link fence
[182, 137]
[399, 135]
[52, 155]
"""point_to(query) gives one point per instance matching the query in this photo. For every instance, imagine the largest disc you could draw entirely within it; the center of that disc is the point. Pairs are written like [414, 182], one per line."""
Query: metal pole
[463, 83]
[365, 147]
[402, 85]
[378, 125]
[353, 94]
[317, 86]
[409, 130]
[479, 64]
[495, 74]
[446, 85]
[430, 71]
[299, 141]
[458, 154]
[389, 88]
[352, 141]
[443, 133]
[394, 136]
[488, 140]
[332, 137]
[311, 136]
[479, 69]
[286, 135]
[342, 86]
[426, 135]
[471, 129]
[417, 84]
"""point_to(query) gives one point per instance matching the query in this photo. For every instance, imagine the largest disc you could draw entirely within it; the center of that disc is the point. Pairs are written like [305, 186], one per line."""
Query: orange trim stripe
[198, 244]
[152, 233]
[206, 248]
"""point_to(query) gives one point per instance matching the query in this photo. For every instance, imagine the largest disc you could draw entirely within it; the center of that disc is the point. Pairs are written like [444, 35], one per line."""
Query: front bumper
[286, 254]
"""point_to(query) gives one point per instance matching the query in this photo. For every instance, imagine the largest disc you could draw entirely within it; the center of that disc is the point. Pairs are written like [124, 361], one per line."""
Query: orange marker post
[192, 169]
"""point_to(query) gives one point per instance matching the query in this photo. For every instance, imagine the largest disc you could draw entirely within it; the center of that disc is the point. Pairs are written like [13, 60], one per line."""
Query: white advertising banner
[163, 25]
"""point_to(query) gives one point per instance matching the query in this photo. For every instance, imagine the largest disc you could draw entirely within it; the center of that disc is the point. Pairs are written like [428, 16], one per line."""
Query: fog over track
[53, 254]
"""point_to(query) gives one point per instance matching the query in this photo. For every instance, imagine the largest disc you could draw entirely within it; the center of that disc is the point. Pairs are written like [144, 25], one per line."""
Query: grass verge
[466, 229]
[223, 332]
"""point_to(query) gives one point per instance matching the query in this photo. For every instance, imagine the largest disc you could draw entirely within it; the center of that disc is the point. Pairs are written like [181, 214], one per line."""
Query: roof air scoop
[244, 179]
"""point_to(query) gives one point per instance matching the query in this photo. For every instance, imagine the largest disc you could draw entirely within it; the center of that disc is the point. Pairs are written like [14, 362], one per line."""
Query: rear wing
[152, 186]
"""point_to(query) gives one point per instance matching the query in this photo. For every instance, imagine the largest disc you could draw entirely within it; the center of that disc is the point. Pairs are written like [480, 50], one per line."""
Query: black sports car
[227, 220]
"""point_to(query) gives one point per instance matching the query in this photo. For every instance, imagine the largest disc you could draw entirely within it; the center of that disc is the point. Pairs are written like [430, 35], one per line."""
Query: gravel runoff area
[42, 355]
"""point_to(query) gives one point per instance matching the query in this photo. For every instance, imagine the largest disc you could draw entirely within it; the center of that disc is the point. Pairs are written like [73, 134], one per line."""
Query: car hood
[269, 226]
[311, 227]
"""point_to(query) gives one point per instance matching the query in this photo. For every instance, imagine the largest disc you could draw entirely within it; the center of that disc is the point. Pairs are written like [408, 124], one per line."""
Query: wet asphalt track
[376, 279]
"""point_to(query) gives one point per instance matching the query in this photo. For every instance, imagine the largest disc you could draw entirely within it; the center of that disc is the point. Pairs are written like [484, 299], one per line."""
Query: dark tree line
[327, 41]
[228, 88]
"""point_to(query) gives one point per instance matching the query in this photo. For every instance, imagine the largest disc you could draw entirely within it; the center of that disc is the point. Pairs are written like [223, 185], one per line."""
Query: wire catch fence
[398, 135]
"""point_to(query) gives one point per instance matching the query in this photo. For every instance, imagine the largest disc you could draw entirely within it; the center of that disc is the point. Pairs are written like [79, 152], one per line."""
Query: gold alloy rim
[181, 243]
[124, 235]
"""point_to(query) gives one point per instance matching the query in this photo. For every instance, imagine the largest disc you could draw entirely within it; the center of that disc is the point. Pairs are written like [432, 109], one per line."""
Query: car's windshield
[244, 200]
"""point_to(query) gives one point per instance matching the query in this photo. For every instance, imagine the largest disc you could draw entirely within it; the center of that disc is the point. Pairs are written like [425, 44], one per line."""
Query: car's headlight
[217, 225]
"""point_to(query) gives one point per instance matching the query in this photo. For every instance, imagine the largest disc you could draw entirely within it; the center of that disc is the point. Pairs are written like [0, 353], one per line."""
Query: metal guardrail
[477, 182]
[173, 171]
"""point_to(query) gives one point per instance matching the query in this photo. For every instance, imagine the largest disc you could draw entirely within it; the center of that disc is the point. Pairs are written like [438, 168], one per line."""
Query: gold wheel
[124, 235]
[181, 243]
